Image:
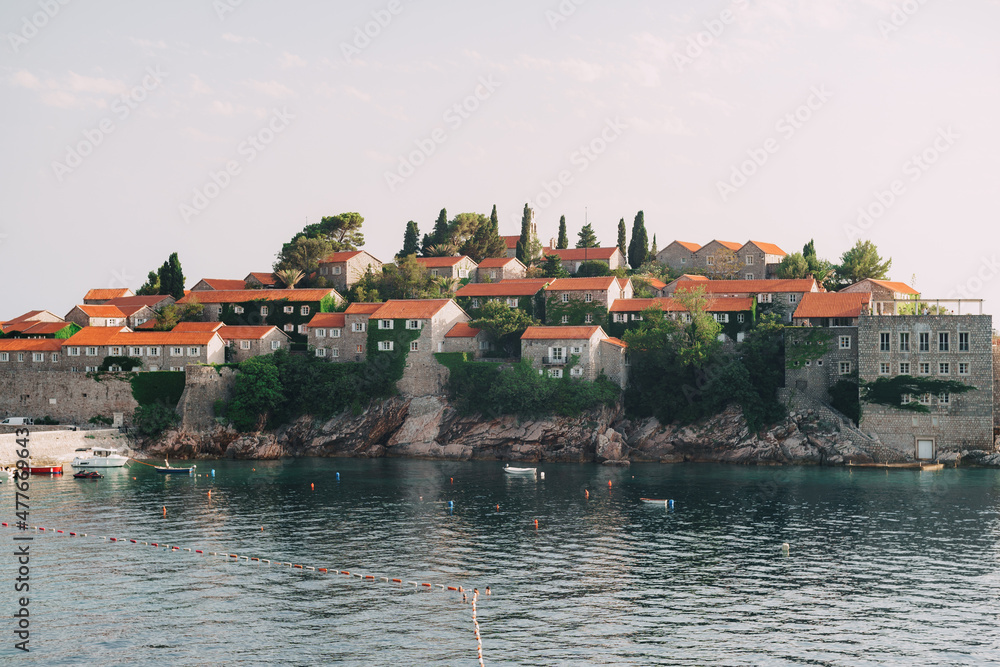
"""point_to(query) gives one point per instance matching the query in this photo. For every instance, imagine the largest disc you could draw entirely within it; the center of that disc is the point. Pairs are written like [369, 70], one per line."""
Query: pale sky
[771, 120]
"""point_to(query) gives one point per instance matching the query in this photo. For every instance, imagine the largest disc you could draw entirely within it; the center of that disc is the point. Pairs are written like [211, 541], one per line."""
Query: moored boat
[88, 474]
[45, 470]
[99, 457]
[519, 471]
[170, 470]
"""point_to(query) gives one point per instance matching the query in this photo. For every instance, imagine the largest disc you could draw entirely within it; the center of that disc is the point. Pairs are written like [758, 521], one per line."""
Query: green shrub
[101, 420]
[46, 421]
[158, 387]
[153, 419]
[124, 363]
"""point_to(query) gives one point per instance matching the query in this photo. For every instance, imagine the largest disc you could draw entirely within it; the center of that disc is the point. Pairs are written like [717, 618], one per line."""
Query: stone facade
[245, 342]
[884, 294]
[97, 316]
[32, 354]
[68, 398]
[944, 347]
[996, 387]
[613, 355]
[549, 349]
[679, 255]
[458, 268]
[760, 260]
[600, 292]
[572, 258]
[344, 269]
[813, 377]
[203, 386]
[492, 270]
[158, 350]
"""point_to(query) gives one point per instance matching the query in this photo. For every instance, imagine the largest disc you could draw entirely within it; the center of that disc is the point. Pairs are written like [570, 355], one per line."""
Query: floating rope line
[479, 640]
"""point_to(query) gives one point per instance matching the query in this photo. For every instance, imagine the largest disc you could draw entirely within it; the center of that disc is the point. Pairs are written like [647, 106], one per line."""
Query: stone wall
[814, 378]
[203, 386]
[71, 398]
[996, 387]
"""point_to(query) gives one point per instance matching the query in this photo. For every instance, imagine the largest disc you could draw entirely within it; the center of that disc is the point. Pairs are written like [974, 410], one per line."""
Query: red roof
[31, 315]
[161, 338]
[264, 278]
[335, 320]
[462, 330]
[497, 262]
[525, 287]
[583, 254]
[246, 332]
[693, 247]
[692, 276]
[239, 296]
[149, 301]
[41, 328]
[615, 341]
[750, 286]
[129, 310]
[105, 294]
[570, 284]
[654, 282]
[148, 324]
[224, 284]
[362, 308]
[101, 311]
[340, 256]
[559, 333]
[190, 327]
[668, 305]
[728, 244]
[409, 309]
[511, 241]
[902, 288]
[769, 248]
[439, 262]
[832, 304]
[30, 345]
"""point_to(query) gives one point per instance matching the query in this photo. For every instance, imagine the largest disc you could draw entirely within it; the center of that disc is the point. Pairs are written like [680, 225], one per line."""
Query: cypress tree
[653, 250]
[440, 234]
[563, 241]
[495, 246]
[638, 249]
[525, 240]
[411, 240]
[621, 237]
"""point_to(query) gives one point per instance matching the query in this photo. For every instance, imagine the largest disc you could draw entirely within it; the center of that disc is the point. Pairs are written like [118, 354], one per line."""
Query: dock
[906, 465]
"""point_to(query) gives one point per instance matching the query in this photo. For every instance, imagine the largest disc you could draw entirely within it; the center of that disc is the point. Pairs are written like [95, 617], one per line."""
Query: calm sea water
[884, 568]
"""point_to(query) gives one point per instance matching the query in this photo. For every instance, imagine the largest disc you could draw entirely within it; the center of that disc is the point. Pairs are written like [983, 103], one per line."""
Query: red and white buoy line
[251, 559]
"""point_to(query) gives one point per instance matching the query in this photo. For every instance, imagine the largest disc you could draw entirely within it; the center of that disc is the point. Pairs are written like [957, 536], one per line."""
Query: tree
[504, 325]
[331, 234]
[151, 286]
[862, 262]
[289, 277]
[699, 340]
[168, 316]
[522, 243]
[622, 241]
[592, 269]
[257, 391]
[168, 279]
[303, 254]
[653, 251]
[411, 240]
[587, 238]
[485, 239]
[793, 266]
[440, 233]
[727, 265]
[820, 269]
[563, 241]
[639, 246]
[553, 268]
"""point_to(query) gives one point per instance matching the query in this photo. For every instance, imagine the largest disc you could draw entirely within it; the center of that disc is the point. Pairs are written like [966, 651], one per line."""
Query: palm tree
[289, 277]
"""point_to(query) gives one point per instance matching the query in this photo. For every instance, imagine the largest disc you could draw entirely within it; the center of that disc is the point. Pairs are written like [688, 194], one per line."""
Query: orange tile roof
[246, 332]
[462, 330]
[655, 282]
[409, 309]
[239, 296]
[101, 311]
[720, 304]
[832, 304]
[440, 262]
[28, 316]
[43, 328]
[162, 338]
[150, 300]
[224, 283]
[30, 345]
[624, 282]
[750, 286]
[729, 244]
[504, 288]
[202, 327]
[583, 254]
[93, 336]
[497, 262]
[902, 288]
[335, 320]
[105, 294]
[769, 248]
[615, 341]
[559, 333]
[129, 311]
[148, 324]
[693, 247]
[511, 241]
[362, 308]
[692, 276]
[340, 256]
[264, 277]
[570, 284]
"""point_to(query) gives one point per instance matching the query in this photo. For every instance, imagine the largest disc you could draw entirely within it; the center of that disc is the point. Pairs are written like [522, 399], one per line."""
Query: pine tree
[426, 245]
[525, 240]
[440, 236]
[563, 242]
[495, 245]
[638, 249]
[411, 240]
[587, 237]
[621, 237]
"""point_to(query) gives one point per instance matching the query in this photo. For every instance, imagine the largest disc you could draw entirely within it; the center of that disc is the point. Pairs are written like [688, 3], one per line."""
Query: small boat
[88, 474]
[169, 470]
[655, 501]
[45, 470]
[519, 471]
[99, 457]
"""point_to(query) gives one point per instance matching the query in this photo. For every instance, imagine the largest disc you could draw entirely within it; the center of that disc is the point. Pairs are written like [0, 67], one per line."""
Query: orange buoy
[209, 494]
[536, 524]
[312, 486]
[262, 529]
[164, 510]
[498, 507]
[586, 493]
[609, 483]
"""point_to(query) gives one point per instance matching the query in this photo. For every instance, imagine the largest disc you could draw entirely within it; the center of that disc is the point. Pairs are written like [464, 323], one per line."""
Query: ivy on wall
[890, 391]
[575, 311]
[276, 315]
[391, 363]
[804, 344]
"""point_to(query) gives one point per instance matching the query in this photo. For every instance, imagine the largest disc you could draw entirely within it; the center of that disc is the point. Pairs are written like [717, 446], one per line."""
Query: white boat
[519, 471]
[99, 457]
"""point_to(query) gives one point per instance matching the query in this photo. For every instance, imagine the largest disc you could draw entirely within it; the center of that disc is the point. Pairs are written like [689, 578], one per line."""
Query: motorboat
[45, 470]
[519, 471]
[88, 474]
[99, 457]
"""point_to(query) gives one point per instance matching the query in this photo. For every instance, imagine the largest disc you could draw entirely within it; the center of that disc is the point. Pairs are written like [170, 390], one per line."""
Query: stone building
[469, 340]
[778, 296]
[355, 332]
[552, 349]
[457, 268]
[511, 243]
[326, 338]
[96, 316]
[218, 284]
[886, 295]
[679, 255]
[243, 342]
[580, 301]
[826, 309]
[572, 258]
[157, 350]
[525, 294]
[736, 315]
[495, 269]
[97, 297]
[719, 259]
[760, 260]
[28, 318]
[343, 269]
[753, 260]
[261, 280]
[31, 354]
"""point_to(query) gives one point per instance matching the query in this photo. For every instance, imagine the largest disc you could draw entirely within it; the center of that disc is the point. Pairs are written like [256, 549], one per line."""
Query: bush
[101, 420]
[124, 363]
[164, 387]
[46, 421]
[154, 419]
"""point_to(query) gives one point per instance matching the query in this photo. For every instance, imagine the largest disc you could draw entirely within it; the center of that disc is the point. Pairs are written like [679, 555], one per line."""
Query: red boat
[45, 470]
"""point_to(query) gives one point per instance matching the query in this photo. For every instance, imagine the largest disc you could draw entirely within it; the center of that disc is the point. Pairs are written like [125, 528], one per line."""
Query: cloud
[270, 88]
[71, 91]
[220, 108]
[291, 60]
[238, 39]
[25, 79]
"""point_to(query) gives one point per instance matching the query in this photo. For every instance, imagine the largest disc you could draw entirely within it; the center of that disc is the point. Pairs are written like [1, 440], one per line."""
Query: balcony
[554, 361]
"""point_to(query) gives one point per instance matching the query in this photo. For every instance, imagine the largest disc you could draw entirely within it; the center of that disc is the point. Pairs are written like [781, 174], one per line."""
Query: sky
[218, 128]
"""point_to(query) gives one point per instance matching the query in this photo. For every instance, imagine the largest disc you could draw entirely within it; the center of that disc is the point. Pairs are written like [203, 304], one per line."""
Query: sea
[378, 562]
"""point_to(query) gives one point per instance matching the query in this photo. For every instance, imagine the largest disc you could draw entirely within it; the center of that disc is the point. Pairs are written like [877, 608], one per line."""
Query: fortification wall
[71, 398]
[203, 386]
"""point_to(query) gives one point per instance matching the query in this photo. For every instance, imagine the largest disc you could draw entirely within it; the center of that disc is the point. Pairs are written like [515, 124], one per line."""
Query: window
[684, 260]
[493, 274]
[963, 341]
[73, 351]
[925, 368]
[637, 317]
[749, 260]
[194, 351]
[320, 333]
[93, 369]
[512, 302]
[845, 368]
[91, 351]
[904, 341]
[721, 318]
[557, 353]
[244, 345]
[740, 317]
[576, 350]
[710, 261]
[883, 341]
[304, 310]
[322, 270]
[588, 297]
[412, 324]
[320, 351]
[176, 351]
[136, 351]
[555, 372]
[565, 319]
[883, 368]
[275, 344]
[792, 298]
[943, 341]
[619, 317]
[565, 298]
[38, 356]
[944, 368]
[963, 368]
[414, 346]
[845, 342]
[217, 310]
[153, 352]
[116, 351]
[385, 324]
[358, 326]
[475, 303]
[334, 333]
[173, 368]
[944, 398]
[463, 273]
[337, 270]
[434, 272]
[289, 309]
[925, 342]
[576, 372]
[925, 399]
[263, 311]
[904, 368]
[238, 310]
[289, 327]
[484, 345]
[748, 276]
[588, 318]
[763, 298]
[4, 356]
[302, 328]
[819, 362]
[906, 398]
[685, 317]
[334, 352]
[385, 346]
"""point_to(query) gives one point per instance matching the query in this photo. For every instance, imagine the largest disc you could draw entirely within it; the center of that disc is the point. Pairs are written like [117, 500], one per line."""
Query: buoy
[338, 476]
[209, 494]
[543, 475]
[312, 486]
[498, 507]
[133, 478]
[586, 493]
[164, 510]
[452, 480]
[451, 503]
[213, 472]
[536, 524]
[670, 504]
[609, 483]
[254, 469]
[784, 548]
